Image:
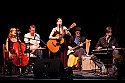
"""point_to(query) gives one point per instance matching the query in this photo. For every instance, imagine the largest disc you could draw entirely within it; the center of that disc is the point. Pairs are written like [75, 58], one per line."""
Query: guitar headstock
[73, 25]
[87, 41]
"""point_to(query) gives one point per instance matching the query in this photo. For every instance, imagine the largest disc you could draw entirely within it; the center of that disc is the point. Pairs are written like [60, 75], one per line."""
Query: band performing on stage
[72, 48]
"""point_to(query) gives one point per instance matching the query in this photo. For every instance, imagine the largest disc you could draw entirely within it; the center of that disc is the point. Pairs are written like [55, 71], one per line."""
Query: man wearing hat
[76, 46]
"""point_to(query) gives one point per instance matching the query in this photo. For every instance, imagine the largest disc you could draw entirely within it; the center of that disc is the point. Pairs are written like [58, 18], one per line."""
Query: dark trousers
[9, 66]
[100, 63]
[79, 53]
[96, 61]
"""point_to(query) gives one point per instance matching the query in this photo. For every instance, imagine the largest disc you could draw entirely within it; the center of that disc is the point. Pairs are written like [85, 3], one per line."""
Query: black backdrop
[92, 16]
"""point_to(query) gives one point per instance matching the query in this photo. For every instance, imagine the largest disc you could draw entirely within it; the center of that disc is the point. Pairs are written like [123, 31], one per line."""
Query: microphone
[14, 36]
[18, 31]
[108, 37]
[59, 25]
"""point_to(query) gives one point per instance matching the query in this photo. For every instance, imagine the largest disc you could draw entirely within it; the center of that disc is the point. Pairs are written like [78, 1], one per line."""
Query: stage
[77, 75]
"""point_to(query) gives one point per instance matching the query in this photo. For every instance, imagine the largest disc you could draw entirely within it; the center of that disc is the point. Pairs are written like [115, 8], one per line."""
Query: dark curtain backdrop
[92, 16]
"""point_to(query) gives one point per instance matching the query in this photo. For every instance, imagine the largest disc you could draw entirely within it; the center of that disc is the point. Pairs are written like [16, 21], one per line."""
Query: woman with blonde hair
[16, 50]
[10, 40]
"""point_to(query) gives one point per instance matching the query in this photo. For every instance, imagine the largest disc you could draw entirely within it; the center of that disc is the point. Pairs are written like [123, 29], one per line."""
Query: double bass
[20, 59]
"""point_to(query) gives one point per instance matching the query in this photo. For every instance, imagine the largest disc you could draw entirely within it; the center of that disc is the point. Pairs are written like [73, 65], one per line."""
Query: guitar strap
[63, 31]
[77, 40]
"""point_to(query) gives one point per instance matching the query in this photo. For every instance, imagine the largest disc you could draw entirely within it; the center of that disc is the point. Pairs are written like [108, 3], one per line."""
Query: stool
[88, 64]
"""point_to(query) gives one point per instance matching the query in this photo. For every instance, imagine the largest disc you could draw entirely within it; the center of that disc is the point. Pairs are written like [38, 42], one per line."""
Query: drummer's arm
[34, 46]
[25, 39]
[37, 44]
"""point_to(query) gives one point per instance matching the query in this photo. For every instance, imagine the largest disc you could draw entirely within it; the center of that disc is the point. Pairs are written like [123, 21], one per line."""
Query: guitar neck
[81, 43]
[78, 45]
[64, 32]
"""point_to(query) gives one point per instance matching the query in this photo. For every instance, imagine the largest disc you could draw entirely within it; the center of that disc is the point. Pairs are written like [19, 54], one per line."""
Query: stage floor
[77, 75]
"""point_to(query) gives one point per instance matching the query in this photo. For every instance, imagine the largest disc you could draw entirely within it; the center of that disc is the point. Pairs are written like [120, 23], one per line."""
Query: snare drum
[39, 52]
[31, 57]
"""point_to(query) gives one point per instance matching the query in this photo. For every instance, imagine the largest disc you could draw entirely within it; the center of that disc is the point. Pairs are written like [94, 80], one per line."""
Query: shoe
[104, 71]
[114, 68]
[79, 68]
[74, 67]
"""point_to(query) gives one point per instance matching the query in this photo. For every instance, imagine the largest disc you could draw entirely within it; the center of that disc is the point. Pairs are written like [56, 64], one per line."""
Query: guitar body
[61, 40]
[53, 45]
[70, 51]
[72, 60]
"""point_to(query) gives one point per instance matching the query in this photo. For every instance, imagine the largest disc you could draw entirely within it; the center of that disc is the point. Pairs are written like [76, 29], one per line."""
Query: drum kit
[30, 53]
[32, 56]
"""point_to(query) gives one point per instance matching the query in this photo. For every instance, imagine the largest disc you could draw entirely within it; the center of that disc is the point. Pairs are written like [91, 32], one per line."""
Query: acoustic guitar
[54, 44]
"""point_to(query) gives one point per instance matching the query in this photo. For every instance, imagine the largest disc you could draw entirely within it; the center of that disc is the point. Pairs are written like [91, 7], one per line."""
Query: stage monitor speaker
[48, 68]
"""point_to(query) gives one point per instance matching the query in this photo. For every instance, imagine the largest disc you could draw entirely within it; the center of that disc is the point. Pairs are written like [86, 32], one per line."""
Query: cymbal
[29, 44]
[41, 48]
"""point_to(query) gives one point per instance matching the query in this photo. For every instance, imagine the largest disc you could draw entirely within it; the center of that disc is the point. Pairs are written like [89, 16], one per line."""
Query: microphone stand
[107, 46]
[20, 59]
[40, 40]
[108, 53]
[59, 34]
[29, 54]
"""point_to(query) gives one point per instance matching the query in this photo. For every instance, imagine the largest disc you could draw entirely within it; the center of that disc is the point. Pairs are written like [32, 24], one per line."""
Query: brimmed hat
[78, 29]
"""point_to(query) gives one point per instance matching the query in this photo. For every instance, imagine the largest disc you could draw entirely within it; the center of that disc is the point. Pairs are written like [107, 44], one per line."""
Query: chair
[5, 58]
[5, 53]
[72, 60]
[7, 61]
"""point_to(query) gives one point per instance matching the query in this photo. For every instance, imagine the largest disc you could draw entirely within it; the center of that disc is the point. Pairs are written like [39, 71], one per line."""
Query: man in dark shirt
[106, 42]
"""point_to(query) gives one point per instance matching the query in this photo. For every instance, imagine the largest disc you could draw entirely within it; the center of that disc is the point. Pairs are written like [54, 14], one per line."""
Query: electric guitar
[71, 51]
[54, 44]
